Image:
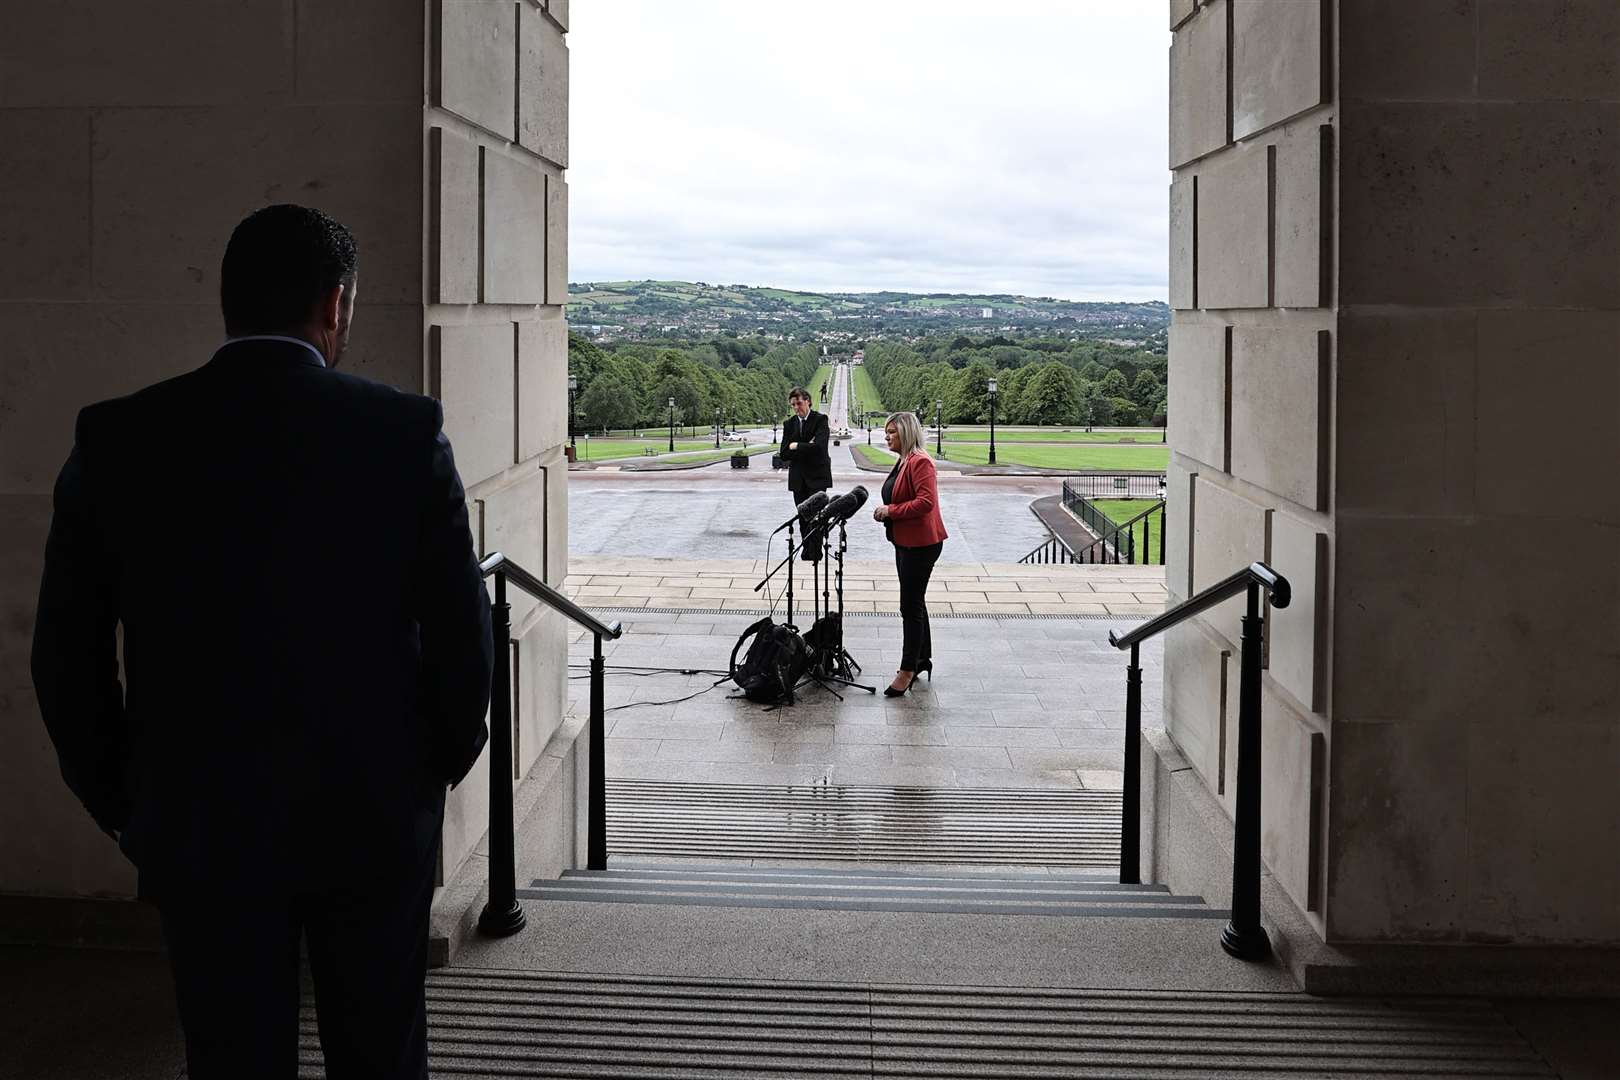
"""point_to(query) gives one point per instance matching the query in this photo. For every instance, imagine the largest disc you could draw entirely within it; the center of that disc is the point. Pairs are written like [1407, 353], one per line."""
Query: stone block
[1297, 646]
[1542, 807]
[169, 185]
[45, 215]
[1516, 188]
[1411, 450]
[1200, 393]
[62, 357]
[1397, 798]
[1181, 11]
[1279, 63]
[473, 373]
[388, 344]
[453, 260]
[1563, 50]
[77, 53]
[542, 87]
[542, 657]
[477, 62]
[1229, 533]
[556, 240]
[1396, 50]
[1199, 123]
[514, 231]
[542, 384]
[1301, 180]
[327, 69]
[1279, 411]
[555, 466]
[558, 10]
[514, 523]
[1200, 676]
[1234, 218]
[1548, 363]
[1183, 243]
[1287, 796]
[1181, 511]
[1436, 618]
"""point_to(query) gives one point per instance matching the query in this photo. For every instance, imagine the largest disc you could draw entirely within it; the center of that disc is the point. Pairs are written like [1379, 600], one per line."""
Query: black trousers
[236, 976]
[915, 566]
[812, 546]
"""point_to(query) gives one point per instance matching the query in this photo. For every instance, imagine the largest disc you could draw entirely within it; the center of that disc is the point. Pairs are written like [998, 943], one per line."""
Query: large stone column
[136, 136]
[1395, 374]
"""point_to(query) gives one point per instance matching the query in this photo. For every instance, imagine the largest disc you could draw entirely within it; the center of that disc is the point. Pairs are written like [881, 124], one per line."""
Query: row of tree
[1067, 385]
[631, 384]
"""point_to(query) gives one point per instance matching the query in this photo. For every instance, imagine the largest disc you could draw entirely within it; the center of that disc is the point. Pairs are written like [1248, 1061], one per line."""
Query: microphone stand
[835, 663]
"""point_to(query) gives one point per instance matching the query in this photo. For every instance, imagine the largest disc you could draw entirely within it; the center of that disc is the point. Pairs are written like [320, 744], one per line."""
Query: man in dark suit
[306, 647]
[805, 442]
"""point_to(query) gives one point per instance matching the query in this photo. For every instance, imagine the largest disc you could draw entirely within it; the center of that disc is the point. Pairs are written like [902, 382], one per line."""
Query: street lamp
[992, 389]
[573, 384]
[717, 428]
[939, 435]
[672, 425]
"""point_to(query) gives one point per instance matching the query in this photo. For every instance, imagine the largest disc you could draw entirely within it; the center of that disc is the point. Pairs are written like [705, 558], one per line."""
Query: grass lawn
[1052, 435]
[871, 455]
[1122, 510]
[603, 449]
[865, 390]
[822, 378]
[1155, 458]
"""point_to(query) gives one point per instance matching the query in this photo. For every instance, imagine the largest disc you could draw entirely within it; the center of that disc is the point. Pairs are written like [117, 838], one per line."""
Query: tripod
[833, 661]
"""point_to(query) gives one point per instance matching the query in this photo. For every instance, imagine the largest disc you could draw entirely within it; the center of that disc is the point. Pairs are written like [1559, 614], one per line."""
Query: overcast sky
[923, 145]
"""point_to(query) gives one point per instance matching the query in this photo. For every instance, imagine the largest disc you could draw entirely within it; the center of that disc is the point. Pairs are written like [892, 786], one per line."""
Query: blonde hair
[910, 431]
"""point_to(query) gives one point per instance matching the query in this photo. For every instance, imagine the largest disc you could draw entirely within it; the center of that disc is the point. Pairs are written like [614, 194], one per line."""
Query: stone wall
[136, 137]
[1395, 269]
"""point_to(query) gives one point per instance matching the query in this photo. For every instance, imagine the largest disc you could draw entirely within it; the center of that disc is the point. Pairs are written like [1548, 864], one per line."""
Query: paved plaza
[1014, 702]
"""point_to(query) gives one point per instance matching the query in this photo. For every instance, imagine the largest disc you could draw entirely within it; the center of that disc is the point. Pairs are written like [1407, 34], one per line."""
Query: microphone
[844, 507]
[807, 510]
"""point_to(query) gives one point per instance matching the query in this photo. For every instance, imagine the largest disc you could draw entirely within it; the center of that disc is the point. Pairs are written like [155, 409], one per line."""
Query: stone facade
[1396, 283]
[123, 178]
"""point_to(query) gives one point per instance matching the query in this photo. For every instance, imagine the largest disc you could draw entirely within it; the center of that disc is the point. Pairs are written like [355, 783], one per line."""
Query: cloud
[926, 145]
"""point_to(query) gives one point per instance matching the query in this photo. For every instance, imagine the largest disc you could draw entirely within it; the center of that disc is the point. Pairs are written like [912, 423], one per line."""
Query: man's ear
[332, 307]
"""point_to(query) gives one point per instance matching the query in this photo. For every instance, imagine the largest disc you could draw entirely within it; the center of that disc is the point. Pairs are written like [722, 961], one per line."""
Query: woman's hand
[880, 514]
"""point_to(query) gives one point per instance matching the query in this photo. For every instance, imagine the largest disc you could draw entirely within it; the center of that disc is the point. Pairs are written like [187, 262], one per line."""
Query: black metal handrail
[502, 916]
[1110, 549]
[1244, 937]
[1052, 550]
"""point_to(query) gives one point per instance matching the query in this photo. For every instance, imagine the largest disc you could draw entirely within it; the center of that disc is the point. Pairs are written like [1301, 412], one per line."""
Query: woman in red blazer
[910, 516]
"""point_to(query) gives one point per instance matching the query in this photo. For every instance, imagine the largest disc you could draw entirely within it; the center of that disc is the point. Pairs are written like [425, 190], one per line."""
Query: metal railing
[1117, 544]
[1244, 937]
[1054, 550]
[502, 916]
[1113, 486]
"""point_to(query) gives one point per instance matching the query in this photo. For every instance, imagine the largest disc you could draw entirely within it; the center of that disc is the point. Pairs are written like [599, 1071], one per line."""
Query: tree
[608, 403]
[1146, 390]
[1114, 385]
[691, 404]
[1051, 397]
[968, 401]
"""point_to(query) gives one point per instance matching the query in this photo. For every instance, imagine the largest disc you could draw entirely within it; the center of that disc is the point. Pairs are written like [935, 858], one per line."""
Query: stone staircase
[505, 1023]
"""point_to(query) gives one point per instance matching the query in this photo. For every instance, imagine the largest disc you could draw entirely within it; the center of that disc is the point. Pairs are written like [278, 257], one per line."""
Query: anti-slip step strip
[1027, 827]
[494, 1023]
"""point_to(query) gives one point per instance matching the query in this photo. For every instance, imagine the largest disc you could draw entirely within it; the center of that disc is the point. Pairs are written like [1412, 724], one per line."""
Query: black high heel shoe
[926, 665]
[889, 691]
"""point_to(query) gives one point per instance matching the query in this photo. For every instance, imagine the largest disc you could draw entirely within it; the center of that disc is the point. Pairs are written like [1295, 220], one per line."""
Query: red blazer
[914, 505]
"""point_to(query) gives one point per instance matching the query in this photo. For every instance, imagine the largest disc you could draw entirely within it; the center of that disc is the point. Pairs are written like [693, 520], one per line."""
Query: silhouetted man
[804, 448]
[306, 646]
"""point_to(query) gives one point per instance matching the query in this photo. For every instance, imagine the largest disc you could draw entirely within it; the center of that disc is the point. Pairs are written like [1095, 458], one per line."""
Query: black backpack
[773, 664]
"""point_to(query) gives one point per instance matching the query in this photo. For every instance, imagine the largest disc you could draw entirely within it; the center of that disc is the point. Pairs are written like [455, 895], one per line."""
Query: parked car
[733, 437]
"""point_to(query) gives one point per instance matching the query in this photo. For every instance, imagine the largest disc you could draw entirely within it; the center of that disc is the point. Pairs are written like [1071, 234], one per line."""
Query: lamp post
[992, 390]
[672, 425]
[717, 428]
[573, 384]
[939, 435]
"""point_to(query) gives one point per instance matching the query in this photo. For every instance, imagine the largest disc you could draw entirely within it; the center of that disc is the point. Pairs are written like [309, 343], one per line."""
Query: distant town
[650, 310]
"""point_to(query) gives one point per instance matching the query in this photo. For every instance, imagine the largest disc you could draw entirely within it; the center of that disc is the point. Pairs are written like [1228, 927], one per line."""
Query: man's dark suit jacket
[306, 636]
[810, 466]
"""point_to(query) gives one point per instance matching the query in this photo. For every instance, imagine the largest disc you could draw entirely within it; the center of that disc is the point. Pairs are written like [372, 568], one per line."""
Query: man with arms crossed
[804, 447]
[306, 647]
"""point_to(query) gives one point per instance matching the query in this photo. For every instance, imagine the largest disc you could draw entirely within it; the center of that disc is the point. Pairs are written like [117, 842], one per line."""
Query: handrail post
[596, 845]
[1245, 938]
[1130, 825]
[501, 916]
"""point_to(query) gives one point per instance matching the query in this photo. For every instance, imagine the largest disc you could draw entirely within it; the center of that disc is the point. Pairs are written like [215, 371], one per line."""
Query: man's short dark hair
[279, 261]
[798, 391]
